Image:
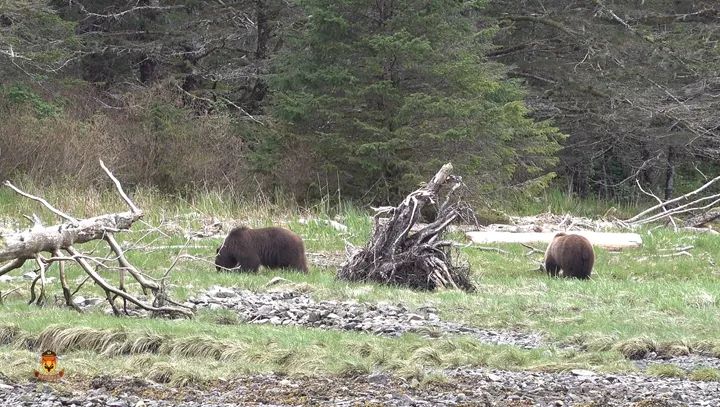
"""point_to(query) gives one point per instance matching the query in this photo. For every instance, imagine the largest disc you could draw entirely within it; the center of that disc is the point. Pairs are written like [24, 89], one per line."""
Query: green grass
[636, 302]
[556, 201]
[114, 346]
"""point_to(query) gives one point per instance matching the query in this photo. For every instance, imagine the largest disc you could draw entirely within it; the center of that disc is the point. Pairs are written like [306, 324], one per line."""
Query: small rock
[265, 310]
[93, 301]
[582, 372]
[276, 281]
[223, 292]
[30, 275]
[494, 377]
[378, 378]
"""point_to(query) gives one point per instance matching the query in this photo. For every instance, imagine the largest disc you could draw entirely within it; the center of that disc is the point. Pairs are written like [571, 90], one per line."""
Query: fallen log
[18, 247]
[610, 241]
[22, 245]
[703, 219]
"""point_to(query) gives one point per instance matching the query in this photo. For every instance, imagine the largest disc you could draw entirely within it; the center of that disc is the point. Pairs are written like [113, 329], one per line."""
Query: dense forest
[363, 98]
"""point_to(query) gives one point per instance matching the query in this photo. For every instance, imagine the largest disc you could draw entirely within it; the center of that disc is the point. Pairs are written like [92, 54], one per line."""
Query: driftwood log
[60, 242]
[422, 259]
[610, 241]
[702, 210]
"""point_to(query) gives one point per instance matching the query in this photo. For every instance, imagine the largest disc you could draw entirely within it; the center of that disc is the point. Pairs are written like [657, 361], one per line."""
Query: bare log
[610, 241]
[395, 255]
[18, 247]
[647, 215]
[702, 219]
[25, 244]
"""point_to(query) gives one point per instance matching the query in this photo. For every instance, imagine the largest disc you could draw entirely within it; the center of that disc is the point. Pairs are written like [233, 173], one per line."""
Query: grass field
[637, 299]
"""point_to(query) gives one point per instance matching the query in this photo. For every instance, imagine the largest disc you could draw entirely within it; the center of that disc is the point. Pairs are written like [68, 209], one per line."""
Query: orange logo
[48, 367]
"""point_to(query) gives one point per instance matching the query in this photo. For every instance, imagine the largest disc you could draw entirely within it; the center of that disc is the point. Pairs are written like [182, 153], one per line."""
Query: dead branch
[532, 249]
[134, 209]
[11, 265]
[109, 289]
[21, 246]
[489, 249]
[396, 255]
[64, 284]
[691, 206]
[703, 219]
[2, 296]
[42, 297]
[637, 181]
[42, 201]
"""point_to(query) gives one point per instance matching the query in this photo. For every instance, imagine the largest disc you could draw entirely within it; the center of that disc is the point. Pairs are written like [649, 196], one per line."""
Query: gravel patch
[293, 308]
[464, 387]
[687, 363]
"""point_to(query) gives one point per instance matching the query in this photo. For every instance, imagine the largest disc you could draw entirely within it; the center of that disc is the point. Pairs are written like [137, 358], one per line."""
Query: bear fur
[573, 254]
[273, 247]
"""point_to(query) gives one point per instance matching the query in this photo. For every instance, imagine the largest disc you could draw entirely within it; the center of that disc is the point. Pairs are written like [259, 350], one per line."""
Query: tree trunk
[670, 174]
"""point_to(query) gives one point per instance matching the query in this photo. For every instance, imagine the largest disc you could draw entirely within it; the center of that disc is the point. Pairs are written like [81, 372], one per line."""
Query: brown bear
[573, 254]
[248, 249]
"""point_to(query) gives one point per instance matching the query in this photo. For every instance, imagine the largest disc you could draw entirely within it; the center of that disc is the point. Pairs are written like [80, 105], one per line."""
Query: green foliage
[382, 96]
[41, 42]
[24, 96]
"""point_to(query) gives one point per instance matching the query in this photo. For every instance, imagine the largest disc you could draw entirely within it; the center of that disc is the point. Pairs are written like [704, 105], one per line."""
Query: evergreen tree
[381, 92]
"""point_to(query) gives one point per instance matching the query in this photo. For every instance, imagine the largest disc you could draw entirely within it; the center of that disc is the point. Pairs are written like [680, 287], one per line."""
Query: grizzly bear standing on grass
[248, 249]
[573, 254]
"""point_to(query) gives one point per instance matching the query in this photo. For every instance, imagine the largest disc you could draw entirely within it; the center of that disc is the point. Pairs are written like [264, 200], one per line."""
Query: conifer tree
[382, 92]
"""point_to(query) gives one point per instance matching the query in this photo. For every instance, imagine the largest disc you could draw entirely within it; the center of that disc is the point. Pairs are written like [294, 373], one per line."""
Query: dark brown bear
[573, 254]
[248, 249]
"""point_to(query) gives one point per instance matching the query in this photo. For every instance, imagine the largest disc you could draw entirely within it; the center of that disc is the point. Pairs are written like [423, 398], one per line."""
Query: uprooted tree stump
[22, 246]
[420, 260]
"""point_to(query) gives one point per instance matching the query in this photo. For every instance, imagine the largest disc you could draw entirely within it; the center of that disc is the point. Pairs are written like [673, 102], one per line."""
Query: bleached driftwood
[610, 241]
[422, 259]
[683, 205]
[19, 247]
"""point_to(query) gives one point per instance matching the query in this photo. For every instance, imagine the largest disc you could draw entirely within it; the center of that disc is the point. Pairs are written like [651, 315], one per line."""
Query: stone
[276, 281]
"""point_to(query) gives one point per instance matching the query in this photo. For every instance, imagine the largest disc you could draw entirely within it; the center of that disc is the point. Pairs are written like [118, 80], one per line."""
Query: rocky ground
[464, 387]
[457, 387]
[294, 308]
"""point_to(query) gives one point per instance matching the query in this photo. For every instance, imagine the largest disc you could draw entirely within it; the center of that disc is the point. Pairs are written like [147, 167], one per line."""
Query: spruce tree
[382, 92]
